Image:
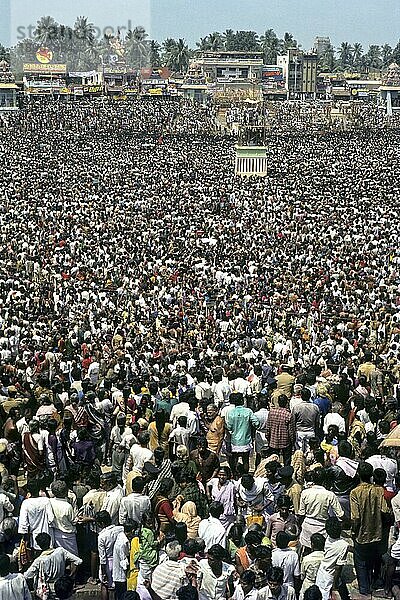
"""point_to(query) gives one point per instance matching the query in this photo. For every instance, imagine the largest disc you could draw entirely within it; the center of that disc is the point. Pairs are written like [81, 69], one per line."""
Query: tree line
[81, 49]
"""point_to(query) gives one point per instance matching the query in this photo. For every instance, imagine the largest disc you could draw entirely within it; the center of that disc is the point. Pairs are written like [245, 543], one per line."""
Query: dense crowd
[199, 373]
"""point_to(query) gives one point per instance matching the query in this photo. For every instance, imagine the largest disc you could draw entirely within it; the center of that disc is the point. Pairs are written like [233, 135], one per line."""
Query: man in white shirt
[335, 555]
[276, 589]
[287, 559]
[211, 530]
[246, 590]
[113, 497]
[13, 586]
[121, 553]
[52, 560]
[179, 410]
[217, 576]
[36, 515]
[133, 506]
[64, 529]
[335, 418]
[140, 453]
[105, 544]
[381, 461]
[220, 388]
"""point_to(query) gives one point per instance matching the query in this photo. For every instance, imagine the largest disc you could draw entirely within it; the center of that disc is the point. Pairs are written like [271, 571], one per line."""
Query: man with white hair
[170, 575]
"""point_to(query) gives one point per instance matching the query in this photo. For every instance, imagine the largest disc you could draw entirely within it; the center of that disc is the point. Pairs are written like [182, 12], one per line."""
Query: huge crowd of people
[199, 373]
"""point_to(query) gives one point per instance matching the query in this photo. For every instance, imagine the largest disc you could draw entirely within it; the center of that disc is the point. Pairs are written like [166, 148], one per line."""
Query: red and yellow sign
[44, 55]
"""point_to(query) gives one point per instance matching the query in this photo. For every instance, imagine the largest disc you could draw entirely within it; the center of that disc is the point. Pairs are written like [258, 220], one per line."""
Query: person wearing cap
[296, 397]
[11, 400]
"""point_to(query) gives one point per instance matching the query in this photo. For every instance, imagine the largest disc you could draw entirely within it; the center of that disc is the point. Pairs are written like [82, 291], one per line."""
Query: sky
[365, 21]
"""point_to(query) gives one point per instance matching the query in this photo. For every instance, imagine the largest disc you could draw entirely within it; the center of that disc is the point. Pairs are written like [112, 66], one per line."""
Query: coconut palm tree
[180, 56]
[84, 31]
[154, 53]
[46, 31]
[81, 52]
[229, 39]
[4, 53]
[216, 41]
[356, 55]
[271, 46]
[288, 41]
[203, 44]
[247, 41]
[345, 55]
[374, 57]
[387, 54]
[326, 61]
[137, 47]
[24, 51]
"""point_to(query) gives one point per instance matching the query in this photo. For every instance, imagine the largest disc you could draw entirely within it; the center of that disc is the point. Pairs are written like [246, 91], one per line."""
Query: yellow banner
[44, 68]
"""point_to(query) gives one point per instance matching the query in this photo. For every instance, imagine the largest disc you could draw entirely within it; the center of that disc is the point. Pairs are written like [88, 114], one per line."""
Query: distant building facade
[228, 66]
[299, 71]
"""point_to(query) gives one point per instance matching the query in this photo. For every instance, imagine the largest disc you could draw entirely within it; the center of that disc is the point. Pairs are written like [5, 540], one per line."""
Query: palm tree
[387, 54]
[46, 31]
[215, 41]
[180, 56]
[327, 61]
[84, 31]
[345, 54]
[396, 53]
[137, 47]
[229, 39]
[356, 55]
[246, 41]
[203, 44]
[374, 57]
[4, 53]
[168, 47]
[271, 46]
[81, 49]
[24, 51]
[65, 44]
[288, 41]
[154, 53]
